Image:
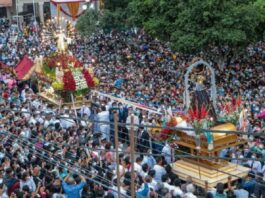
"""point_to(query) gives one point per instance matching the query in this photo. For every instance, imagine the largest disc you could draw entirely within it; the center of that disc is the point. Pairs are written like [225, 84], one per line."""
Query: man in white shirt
[104, 128]
[150, 160]
[166, 151]
[171, 188]
[255, 165]
[137, 165]
[159, 169]
[85, 112]
[66, 121]
[129, 119]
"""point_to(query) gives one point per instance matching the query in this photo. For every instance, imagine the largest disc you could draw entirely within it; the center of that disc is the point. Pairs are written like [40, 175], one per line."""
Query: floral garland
[69, 81]
[89, 80]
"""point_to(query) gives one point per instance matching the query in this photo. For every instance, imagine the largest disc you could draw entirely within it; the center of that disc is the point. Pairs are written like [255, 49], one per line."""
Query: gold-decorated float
[201, 132]
[62, 79]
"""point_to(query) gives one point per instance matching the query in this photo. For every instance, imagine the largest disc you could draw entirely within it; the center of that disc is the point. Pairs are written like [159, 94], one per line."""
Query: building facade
[26, 9]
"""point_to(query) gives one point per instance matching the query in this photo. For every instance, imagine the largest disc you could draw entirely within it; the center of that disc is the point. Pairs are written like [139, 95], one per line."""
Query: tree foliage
[189, 25]
[194, 26]
[114, 16]
[87, 23]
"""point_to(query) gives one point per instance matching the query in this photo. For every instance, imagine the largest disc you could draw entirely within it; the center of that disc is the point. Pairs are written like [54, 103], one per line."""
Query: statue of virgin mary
[201, 98]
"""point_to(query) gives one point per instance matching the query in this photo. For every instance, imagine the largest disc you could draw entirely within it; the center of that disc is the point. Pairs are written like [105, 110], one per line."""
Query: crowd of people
[47, 153]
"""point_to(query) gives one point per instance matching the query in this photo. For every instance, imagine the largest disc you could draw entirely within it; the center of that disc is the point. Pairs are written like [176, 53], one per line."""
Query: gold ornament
[223, 127]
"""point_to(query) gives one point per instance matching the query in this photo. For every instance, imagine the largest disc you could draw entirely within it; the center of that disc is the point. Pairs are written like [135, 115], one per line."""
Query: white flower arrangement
[80, 81]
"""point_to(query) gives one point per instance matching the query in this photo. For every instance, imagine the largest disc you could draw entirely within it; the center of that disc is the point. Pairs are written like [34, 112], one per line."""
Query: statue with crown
[62, 78]
[204, 129]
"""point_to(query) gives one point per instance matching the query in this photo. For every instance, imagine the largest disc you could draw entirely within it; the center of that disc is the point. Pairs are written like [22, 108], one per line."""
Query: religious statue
[201, 98]
[61, 39]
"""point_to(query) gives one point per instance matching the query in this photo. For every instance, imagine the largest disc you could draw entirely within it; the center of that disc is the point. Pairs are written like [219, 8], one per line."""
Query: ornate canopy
[213, 85]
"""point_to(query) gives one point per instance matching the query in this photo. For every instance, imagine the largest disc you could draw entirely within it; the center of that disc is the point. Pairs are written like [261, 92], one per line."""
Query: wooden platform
[222, 142]
[52, 99]
[201, 174]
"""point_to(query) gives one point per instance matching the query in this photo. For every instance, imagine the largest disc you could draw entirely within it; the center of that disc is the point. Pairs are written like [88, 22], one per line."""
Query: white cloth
[184, 124]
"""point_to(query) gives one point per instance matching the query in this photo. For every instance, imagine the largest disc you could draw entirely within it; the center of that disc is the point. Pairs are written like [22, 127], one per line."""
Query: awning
[23, 68]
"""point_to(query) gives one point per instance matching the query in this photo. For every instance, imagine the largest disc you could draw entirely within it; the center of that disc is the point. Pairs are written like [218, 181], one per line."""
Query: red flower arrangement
[196, 118]
[233, 106]
[89, 80]
[69, 81]
[197, 114]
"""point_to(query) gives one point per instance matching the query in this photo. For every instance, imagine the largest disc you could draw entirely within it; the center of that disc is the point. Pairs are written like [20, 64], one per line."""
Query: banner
[5, 3]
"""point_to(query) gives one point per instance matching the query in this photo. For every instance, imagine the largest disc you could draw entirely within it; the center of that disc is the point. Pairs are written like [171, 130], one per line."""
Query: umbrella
[261, 114]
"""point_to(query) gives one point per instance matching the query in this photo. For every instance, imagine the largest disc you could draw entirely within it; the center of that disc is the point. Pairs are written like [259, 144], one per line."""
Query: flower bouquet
[232, 111]
[197, 118]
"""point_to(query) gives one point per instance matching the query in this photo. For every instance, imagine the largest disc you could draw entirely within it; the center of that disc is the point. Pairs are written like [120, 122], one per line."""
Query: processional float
[62, 79]
[204, 133]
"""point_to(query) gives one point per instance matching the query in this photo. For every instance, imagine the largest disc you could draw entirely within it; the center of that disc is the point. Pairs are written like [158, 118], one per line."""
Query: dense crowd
[47, 153]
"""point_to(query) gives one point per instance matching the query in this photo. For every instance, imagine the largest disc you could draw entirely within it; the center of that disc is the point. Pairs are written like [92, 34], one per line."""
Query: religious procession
[130, 98]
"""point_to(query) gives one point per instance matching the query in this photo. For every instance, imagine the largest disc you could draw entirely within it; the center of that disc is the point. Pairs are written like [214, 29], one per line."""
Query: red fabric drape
[73, 9]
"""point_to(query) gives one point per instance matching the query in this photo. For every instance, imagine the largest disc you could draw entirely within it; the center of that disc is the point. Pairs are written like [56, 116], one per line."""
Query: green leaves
[87, 24]
[190, 25]
[114, 16]
[193, 26]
